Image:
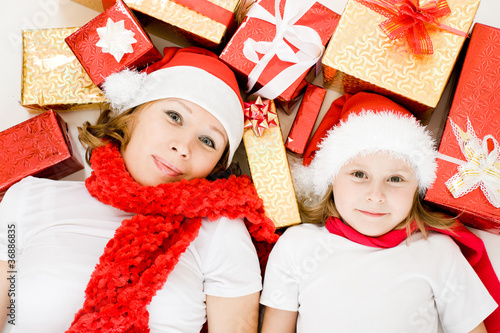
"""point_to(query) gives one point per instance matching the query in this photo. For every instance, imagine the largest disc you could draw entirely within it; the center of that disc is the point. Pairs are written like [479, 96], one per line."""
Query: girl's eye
[207, 141]
[359, 174]
[395, 179]
[174, 116]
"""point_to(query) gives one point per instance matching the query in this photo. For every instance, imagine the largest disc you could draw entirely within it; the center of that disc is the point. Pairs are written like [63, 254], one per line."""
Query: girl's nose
[375, 193]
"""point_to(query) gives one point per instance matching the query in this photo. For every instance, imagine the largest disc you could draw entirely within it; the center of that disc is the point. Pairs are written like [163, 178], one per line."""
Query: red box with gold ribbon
[268, 162]
[38, 147]
[468, 177]
[112, 41]
[305, 119]
[277, 43]
[375, 49]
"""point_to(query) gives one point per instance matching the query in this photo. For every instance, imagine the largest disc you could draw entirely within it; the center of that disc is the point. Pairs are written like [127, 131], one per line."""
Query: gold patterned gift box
[200, 22]
[361, 57]
[53, 78]
[269, 164]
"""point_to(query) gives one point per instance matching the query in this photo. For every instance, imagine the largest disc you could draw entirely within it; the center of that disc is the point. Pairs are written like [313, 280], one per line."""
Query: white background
[41, 14]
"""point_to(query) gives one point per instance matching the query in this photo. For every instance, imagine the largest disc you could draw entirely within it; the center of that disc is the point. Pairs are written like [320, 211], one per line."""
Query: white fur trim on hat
[128, 89]
[363, 134]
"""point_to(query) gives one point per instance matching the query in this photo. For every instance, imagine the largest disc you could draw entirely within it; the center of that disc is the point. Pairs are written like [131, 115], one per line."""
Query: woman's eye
[359, 174]
[395, 179]
[207, 141]
[174, 116]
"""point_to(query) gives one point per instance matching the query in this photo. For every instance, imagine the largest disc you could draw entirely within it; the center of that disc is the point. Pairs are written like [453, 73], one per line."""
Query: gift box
[370, 51]
[112, 41]
[305, 119]
[38, 147]
[52, 77]
[274, 55]
[468, 176]
[206, 23]
[269, 164]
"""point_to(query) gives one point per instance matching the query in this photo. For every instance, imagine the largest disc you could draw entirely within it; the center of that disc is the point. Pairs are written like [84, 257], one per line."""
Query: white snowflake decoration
[115, 39]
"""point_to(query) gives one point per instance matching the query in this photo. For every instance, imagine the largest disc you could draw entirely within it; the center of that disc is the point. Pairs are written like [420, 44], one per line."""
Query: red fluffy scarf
[145, 249]
[471, 246]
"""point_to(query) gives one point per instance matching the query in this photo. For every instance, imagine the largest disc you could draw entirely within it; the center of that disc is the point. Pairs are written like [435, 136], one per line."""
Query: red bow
[406, 19]
[259, 116]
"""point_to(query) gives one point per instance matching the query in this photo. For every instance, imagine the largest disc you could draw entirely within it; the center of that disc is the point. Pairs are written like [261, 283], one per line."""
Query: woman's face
[173, 139]
[373, 194]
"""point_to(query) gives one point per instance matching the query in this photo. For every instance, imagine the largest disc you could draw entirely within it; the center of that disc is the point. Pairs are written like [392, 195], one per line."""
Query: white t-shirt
[337, 285]
[61, 232]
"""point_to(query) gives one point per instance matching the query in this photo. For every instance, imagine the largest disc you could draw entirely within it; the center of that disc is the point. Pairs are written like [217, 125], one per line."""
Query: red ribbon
[406, 19]
[259, 116]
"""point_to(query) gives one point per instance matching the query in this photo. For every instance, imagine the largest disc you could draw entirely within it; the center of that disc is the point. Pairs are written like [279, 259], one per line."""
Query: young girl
[367, 261]
[147, 243]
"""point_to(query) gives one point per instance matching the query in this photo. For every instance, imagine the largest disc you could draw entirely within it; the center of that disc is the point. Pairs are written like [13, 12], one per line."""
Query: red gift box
[116, 32]
[474, 123]
[38, 147]
[305, 119]
[278, 62]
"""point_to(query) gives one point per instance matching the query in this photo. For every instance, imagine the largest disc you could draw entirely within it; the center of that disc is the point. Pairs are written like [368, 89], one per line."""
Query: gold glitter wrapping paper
[271, 175]
[175, 19]
[53, 78]
[361, 57]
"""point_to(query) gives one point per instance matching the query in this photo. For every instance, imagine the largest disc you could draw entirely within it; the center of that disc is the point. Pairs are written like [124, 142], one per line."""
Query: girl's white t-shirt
[61, 232]
[337, 285]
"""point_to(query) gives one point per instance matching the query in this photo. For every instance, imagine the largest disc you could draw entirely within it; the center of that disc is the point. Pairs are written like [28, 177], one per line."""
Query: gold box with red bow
[277, 43]
[112, 41]
[373, 49]
[52, 77]
[38, 147]
[205, 23]
[468, 176]
[268, 162]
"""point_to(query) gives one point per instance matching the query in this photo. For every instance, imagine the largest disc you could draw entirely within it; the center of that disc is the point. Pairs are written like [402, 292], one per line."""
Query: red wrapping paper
[99, 64]
[38, 147]
[477, 98]
[320, 18]
[305, 119]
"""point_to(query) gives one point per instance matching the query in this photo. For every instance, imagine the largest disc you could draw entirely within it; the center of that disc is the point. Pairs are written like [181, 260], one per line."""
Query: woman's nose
[181, 148]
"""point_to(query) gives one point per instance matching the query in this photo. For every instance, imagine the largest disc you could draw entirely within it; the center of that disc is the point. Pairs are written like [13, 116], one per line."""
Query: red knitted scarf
[145, 249]
[471, 246]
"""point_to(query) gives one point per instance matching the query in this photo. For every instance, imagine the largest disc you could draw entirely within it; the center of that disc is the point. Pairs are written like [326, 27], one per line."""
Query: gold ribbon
[482, 168]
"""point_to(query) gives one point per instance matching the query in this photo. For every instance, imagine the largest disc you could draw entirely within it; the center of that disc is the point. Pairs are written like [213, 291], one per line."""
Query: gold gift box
[53, 78]
[271, 174]
[176, 22]
[360, 57]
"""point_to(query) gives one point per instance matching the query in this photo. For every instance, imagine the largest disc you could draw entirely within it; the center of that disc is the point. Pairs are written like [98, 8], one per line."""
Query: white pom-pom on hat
[123, 88]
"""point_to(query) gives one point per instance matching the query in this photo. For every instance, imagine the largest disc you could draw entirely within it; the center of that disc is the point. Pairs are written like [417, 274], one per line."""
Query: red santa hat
[191, 73]
[359, 125]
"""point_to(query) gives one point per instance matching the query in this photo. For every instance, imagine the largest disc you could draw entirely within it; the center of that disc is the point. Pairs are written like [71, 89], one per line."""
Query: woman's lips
[372, 214]
[166, 168]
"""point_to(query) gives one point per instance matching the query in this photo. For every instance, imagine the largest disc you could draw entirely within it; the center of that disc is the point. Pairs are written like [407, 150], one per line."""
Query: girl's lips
[372, 214]
[166, 168]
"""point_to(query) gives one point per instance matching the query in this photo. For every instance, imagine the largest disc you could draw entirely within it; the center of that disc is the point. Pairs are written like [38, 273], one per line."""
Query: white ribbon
[115, 39]
[482, 168]
[304, 38]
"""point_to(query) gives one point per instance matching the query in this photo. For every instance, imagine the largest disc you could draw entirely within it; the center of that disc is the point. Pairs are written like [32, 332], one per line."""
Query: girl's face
[173, 139]
[373, 194]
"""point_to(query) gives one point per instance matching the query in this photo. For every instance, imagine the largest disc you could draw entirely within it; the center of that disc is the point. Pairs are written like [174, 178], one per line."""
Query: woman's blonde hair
[423, 215]
[119, 128]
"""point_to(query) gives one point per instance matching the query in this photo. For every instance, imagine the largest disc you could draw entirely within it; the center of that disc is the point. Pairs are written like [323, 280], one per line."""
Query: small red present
[305, 119]
[468, 177]
[38, 147]
[112, 41]
[273, 50]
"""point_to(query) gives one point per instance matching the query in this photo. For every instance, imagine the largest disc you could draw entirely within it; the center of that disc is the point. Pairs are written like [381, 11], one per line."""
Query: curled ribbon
[304, 38]
[482, 168]
[406, 19]
[259, 116]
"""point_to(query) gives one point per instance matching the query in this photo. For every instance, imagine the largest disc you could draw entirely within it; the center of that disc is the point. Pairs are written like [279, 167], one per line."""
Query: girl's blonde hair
[419, 212]
[119, 128]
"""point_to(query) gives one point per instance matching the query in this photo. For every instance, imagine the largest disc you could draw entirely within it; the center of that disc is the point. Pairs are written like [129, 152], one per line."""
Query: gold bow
[259, 116]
